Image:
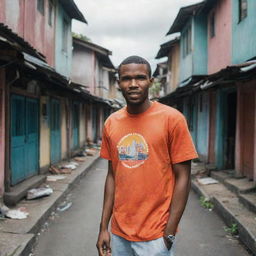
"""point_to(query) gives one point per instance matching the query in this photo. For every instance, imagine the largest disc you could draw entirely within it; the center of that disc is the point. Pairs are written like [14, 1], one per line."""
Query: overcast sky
[129, 27]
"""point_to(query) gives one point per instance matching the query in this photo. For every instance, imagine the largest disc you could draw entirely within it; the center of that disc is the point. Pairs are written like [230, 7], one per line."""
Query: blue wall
[185, 61]
[63, 60]
[244, 36]
[202, 138]
[200, 55]
[195, 63]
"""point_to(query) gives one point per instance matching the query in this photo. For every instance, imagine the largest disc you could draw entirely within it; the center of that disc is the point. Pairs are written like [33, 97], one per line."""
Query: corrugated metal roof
[17, 42]
[72, 10]
[183, 16]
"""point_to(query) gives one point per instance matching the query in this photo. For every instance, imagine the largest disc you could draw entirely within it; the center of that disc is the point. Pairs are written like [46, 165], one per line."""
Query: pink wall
[24, 19]
[2, 129]
[219, 46]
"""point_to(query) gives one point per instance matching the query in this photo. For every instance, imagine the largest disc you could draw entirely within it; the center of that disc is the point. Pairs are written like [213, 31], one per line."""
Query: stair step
[249, 201]
[236, 185]
[229, 207]
[19, 191]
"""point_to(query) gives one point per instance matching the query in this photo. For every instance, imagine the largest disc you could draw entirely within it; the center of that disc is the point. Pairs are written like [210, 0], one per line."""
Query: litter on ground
[55, 177]
[207, 181]
[18, 214]
[64, 206]
[39, 192]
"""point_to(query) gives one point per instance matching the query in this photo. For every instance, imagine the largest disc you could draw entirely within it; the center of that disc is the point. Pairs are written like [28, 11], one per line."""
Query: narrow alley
[74, 231]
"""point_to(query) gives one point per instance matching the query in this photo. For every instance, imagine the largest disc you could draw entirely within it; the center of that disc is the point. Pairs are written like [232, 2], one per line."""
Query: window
[243, 6]
[187, 42]
[50, 13]
[212, 25]
[40, 6]
[65, 36]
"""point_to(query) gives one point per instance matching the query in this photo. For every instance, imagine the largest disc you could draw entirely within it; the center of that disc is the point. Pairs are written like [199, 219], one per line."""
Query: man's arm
[180, 195]
[103, 243]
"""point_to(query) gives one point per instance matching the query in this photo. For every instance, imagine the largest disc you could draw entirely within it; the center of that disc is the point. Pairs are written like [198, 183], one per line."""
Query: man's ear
[151, 81]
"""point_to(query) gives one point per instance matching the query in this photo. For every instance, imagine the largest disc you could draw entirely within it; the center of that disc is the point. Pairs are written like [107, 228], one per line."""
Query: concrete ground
[74, 232]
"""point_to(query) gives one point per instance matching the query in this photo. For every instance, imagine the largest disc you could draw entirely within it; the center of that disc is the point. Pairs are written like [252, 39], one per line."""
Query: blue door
[24, 138]
[75, 125]
[55, 131]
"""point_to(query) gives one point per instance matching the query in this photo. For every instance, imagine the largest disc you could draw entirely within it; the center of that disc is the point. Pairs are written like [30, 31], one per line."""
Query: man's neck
[138, 109]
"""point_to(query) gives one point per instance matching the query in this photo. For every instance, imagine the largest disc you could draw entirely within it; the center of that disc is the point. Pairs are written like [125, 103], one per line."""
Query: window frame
[41, 6]
[51, 12]
[242, 10]
[187, 41]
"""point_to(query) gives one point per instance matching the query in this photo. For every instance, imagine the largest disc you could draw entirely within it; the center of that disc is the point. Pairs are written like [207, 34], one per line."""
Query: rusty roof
[14, 40]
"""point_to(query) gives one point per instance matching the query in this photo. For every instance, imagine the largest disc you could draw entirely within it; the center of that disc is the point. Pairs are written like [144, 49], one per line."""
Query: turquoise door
[24, 138]
[55, 131]
[75, 125]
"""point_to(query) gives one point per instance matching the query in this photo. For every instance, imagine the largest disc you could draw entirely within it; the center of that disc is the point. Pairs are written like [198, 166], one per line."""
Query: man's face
[134, 82]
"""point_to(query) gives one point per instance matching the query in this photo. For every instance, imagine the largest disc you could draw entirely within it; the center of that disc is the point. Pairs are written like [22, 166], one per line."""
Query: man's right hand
[103, 243]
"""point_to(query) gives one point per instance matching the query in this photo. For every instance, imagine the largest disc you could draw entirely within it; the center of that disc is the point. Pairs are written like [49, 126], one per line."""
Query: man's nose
[133, 82]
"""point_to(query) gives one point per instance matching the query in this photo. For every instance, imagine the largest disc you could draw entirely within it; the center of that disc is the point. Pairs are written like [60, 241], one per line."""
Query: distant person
[149, 150]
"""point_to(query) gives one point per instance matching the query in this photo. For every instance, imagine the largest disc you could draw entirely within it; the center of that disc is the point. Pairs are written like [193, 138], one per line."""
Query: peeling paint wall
[82, 126]
[63, 57]
[24, 19]
[221, 42]
[2, 130]
[174, 67]
[82, 68]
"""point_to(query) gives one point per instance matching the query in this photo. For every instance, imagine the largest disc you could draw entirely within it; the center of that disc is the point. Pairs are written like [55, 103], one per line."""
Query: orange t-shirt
[142, 149]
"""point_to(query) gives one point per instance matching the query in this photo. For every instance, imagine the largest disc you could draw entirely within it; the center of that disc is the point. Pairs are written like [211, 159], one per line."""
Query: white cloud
[129, 27]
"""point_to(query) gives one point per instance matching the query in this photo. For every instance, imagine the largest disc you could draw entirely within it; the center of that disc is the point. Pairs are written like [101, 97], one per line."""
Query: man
[149, 149]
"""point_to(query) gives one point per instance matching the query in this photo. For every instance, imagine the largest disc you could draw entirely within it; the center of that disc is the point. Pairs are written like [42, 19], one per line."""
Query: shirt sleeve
[181, 144]
[105, 146]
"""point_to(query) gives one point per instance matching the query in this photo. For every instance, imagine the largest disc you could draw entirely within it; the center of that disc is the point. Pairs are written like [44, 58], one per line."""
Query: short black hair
[135, 60]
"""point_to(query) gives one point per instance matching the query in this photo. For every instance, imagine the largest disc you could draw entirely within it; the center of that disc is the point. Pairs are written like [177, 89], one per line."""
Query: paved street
[74, 232]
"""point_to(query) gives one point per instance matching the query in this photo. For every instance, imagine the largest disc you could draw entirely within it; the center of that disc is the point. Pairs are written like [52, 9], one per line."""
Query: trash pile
[39, 192]
[18, 214]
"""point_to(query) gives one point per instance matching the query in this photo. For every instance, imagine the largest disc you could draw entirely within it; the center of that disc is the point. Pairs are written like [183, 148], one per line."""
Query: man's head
[135, 80]
[135, 60]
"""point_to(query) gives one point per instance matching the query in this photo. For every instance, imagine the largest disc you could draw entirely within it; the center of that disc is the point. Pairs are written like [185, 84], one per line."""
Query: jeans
[123, 247]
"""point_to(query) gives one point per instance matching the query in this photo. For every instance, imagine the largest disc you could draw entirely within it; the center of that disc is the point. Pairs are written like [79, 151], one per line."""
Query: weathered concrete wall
[2, 130]
[174, 66]
[82, 66]
[63, 58]
[44, 134]
[219, 46]
[246, 136]
[82, 126]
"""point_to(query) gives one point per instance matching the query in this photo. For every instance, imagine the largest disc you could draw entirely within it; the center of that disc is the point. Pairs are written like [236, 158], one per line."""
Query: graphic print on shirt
[132, 150]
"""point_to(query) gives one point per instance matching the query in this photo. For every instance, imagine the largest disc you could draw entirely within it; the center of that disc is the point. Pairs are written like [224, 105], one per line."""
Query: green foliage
[155, 89]
[206, 203]
[81, 36]
[233, 229]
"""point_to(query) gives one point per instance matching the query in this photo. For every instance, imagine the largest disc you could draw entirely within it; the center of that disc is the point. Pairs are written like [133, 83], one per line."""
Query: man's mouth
[133, 93]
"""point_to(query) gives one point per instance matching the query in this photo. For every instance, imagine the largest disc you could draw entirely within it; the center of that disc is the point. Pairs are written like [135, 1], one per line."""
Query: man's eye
[125, 78]
[140, 77]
